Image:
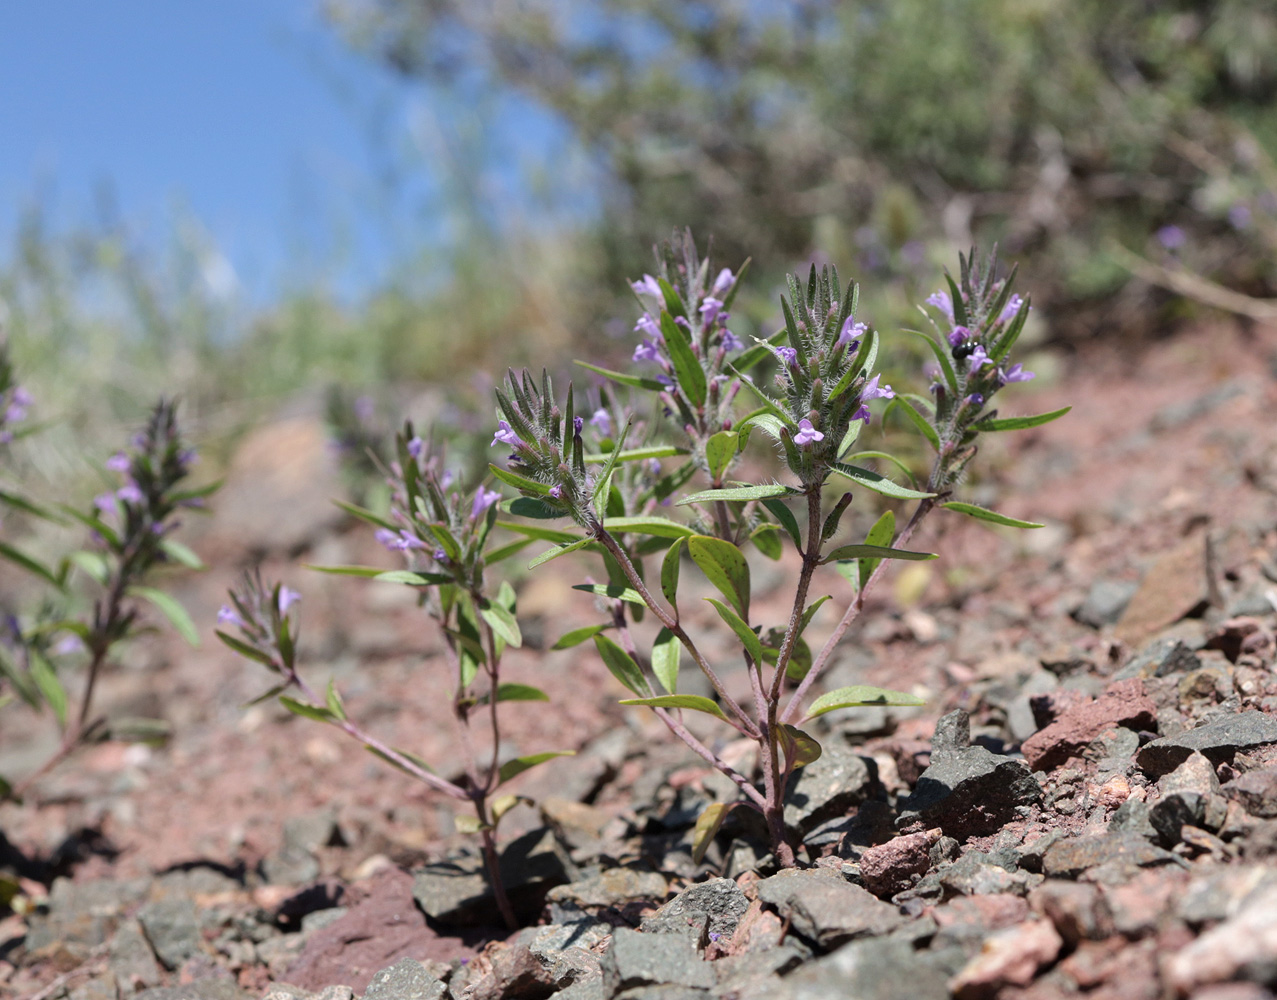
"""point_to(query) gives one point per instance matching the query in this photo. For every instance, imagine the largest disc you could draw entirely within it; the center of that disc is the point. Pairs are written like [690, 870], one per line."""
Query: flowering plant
[814, 412]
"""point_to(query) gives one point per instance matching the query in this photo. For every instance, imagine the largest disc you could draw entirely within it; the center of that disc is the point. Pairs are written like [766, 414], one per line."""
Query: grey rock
[1256, 791]
[201, 989]
[969, 793]
[295, 862]
[735, 970]
[953, 733]
[1190, 794]
[82, 915]
[172, 927]
[551, 941]
[664, 991]
[407, 979]
[1132, 817]
[611, 887]
[1105, 602]
[131, 958]
[103, 987]
[1242, 947]
[869, 970]
[1217, 741]
[1220, 894]
[1120, 853]
[826, 909]
[1160, 658]
[977, 874]
[636, 959]
[715, 906]
[829, 787]
[457, 892]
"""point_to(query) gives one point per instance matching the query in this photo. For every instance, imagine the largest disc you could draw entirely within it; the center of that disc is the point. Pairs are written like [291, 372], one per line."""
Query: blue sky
[248, 116]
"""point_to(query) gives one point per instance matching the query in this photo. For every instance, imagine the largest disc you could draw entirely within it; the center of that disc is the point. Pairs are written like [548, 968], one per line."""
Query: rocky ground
[1087, 804]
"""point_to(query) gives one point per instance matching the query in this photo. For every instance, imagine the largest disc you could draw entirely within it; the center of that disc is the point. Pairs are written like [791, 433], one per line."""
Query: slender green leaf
[18, 502]
[412, 757]
[307, 711]
[247, 651]
[992, 516]
[368, 572]
[621, 378]
[687, 367]
[335, 705]
[93, 523]
[669, 573]
[673, 301]
[1019, 423]
[720, 449]
[787, 520]
[503, 623]
[942, 356]
[882, 533]
[367, 516]
[858, 696]
[667, 652]
[763, 492]
[578, 636]
[413, 579]
[916, 417]
[531, 507]
[766, 539]
[707, 826]
[520, 764]
[622, 665]
[860, 364]
[169, 607]
[759, 352]
[558, 550]
[638, 454]
[660, 527]
[181, 554]
[693, 702]
[875, 552]
[502, 552]
[747, 636]
[46, 680]
[538, 533]
[519, 482]
[725, 567]
[613, 591]
[19, 558]
[603, 484]
[515, 692]
[879, 484]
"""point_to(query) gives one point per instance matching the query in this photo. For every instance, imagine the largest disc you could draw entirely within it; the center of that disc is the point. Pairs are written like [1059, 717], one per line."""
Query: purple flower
[119, 462]
[440, 556]
[975, 399]
[957, 335]
[861, 414]
[1172, 237]
[556, 492]
[601, 421]
[1239, 216]
[666, 381]
[105, 503]
[723, 283]
[871, 390]
[654, 466]
[850, 334]
[648, 286]
[21, 397]
[942, 301]
[710, 308]
[229, 616]
[577, 424]
[364, 409]
[647, 326]
[446, 479]
[387, 538]
[978, 359]
[1015, 373]
[129, 493]
[505, 435]
[401, 542]
[787, 355]
[729, 341]
[1010, 309]
[482, 501]
[415, 447]
[68, 645]
[287, 598]
[646, 351]
[807, 434]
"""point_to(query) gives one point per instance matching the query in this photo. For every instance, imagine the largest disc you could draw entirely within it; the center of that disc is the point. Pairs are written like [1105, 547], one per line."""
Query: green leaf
[660, 527]
[412, 579]
[882, 533]
[916, 417]
[93, 523]
[538, 533]
[500, 552]
[531, 507]
[603, 483]
[879, 484]
[863, 360]
[522, 483]
[622, 665]
[181, 554]
[875, 552]
[247, 651]
[335, 705]
[763, 492]
[639, 454]
[368, 572]
[787, 520]
[419, 761]
[942, 356]
[725, 567]
[885, 456]
[707, 826]
[687, 367]
[21, 503]
[768, 421]
[800, 748]
[169, 607]
[611, 590]
[578, 636]
[747, 636]
[1019, 423]
[47, 681]
[305, 710]
[693, 702]
[23, 560]
[520, 764]
[667, 651]
[673, 302]
[559, 550]
[468, 824]
[502, 622]
[992, 516]
[766, 541]
[268, 696]
[858, 696]
[621, 378]
[515, 692]
[669, 574]
[720, 449]
[1007, 340]
[367, 516]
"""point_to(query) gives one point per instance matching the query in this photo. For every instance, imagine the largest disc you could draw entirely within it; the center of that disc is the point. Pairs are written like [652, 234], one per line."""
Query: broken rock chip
[1009, 958]
[1123, 704]
[826, 909]
[1218, 741]
[1177, 585]
[970, 793]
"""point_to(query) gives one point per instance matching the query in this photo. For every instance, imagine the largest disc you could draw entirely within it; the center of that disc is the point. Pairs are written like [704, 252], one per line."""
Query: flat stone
[896, 865]
[1160, 658]
[826, 909]
[717, 905]
[1175, 586]
[295, 862]
[635, 959]
[172, 927]
[407, 979]
[1221, 894]
[1011, 957]
[1242, 947]
[970, 793]
[612, 887]
[457, 893]
[82, 915]
[131, 958]
[867, 970]
[1077, 910]
[1256, 791]
[1218, 741]
[1105, 602]
[829, 787]
[1189, 795]
[1123, 704]
[201, 989]
[1075, 856]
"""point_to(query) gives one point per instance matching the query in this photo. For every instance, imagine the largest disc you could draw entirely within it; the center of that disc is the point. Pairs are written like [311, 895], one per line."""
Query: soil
[1167, 455]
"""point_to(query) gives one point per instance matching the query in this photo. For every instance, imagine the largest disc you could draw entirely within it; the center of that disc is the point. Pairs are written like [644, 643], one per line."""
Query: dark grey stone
[953, 733]
[457, 892]
[295, 862]
[1132, 817]
[1105, 602]
[707, 908]
[1256, 791]
[635, 959]
[1190, 795]
[1161, 657]
[82, 915]
[970, 793]
[131, 958]
[870, 970]
[407, 979]
[1119, 852]
[172, 927]
[826, 909]
[977, 874]
[1217, 741]
[665, 991]
[829, 787]
[735, 970]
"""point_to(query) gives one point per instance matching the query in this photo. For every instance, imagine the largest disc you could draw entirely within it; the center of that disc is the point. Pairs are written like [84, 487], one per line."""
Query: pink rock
[1123, 704]
[1008, 958]
[889, 868]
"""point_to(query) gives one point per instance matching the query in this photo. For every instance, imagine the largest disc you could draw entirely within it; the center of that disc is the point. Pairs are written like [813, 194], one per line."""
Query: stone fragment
[1169, 655]
[1189, 795]
[407, 979]
[1220, 894]
[967, 920]
[201, 989]
[952, 733]
[1177, 585]
[734, 971]
[1256, 791]
[506, 969]
[636, 959]
[457, 893]
[970, 793]
[1074, 856]
[1077, 910]
[131, 958]
[830, 786]
[1009, 958]
[611, 887]
[82, 915]
[172, 927]
[1105, 602]
[717, 904]
[894, 866]
[1125, 703]
[1242, 947]
[295, 862]
[867, 970]
[1218, 741]
[826, 909]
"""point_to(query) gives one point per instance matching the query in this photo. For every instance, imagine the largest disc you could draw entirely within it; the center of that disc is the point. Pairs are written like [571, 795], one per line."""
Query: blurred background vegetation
[883, 135]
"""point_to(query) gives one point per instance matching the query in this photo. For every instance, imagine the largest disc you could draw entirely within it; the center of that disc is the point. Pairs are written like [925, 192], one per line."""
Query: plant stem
[493, 864]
